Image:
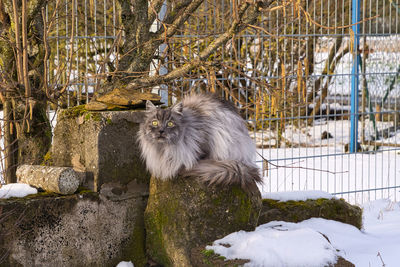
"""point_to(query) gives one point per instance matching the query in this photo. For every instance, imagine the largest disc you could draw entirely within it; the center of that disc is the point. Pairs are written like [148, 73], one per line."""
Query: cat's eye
[170, 124]
[154, 123]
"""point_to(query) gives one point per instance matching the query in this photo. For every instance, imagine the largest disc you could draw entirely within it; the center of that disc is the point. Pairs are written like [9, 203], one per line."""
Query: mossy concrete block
[85, 229]
[183, 214]
[100, 144]
[296, 211]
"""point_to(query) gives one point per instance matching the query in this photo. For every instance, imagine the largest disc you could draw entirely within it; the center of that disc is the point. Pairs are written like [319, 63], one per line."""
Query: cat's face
[163, 126]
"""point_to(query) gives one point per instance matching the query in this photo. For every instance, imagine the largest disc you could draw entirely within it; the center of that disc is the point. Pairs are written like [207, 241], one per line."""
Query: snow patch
[277, 244]
[16, 190]
[280, 243]
[297, 195]
[125, 264]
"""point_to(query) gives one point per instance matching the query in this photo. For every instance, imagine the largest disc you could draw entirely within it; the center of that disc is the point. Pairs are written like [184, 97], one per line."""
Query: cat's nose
[161, 131]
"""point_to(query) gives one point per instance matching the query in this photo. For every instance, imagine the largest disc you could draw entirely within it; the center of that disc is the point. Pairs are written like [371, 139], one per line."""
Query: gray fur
[207, 139]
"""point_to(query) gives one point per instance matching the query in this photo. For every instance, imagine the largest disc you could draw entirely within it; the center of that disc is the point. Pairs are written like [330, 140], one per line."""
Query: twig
[299, 167]
[236, 27]
[379, 255]
[17, 40]
[46, 54]
[308, 18]
[25, 50]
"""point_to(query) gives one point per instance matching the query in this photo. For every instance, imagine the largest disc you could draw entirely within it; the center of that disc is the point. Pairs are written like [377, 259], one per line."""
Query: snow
[297, 195]
[277, 244]
[125, 264]
[281, 243]
[16, 190]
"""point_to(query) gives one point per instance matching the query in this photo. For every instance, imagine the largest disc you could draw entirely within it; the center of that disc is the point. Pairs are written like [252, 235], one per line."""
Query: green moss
[83, 190]
[208, 255]
[155, 244]
[41, 195]
[47, 159]
[88, 116]
[73, 112]
[94, 116]
[210, 258]
[135, 249]
[245, 210]
[208, 252]
[51, 195]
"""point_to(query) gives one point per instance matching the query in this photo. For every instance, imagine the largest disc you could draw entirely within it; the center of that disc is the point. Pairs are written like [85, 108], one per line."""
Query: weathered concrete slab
[102, 144]
[85, 229]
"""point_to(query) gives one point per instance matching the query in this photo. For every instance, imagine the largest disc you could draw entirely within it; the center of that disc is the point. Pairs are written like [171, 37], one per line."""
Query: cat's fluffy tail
[226, 173]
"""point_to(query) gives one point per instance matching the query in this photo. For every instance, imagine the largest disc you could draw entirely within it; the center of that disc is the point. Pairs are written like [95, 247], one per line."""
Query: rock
[183, 214]
[341, 262]
[124, 97]
[99, 106]
[326, 135]
[96, 106]
[100, 144]
[84, 229]
[207, 258]
[296, 211]
[347, 147]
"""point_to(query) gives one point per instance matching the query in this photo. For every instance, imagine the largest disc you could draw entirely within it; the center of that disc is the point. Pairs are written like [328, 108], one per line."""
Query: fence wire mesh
[290, 74]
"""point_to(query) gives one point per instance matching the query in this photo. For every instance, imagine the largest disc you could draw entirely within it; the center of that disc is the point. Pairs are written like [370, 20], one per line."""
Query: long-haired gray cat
[201, 137]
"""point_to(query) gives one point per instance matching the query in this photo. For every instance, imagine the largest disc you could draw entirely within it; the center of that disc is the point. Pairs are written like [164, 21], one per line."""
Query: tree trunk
[34, 140]
[9, 145]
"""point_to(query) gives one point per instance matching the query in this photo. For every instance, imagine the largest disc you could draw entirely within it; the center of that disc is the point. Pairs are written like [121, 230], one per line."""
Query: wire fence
[291, 74]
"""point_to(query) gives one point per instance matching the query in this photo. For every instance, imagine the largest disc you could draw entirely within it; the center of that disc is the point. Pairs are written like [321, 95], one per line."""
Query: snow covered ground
[315, 164]
[281, 243]
[329, 169]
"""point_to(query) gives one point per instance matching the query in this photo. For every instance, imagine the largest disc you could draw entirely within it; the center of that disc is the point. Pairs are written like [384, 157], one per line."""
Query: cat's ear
[177, 108]
[150, 106]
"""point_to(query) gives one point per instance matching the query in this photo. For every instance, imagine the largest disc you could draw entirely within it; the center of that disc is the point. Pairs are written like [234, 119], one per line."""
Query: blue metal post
[355, 17]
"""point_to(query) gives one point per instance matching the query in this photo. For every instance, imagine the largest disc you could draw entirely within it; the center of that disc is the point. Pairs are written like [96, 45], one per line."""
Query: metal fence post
[355, 18]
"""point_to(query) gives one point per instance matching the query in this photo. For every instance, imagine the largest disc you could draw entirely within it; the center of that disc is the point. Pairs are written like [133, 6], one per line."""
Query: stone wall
[99, 228]
[84, 229]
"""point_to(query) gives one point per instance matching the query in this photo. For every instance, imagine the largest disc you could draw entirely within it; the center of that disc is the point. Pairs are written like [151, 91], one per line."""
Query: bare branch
[237, 26]
[299, 167]
[154, 9]
[25, 50]
[178, 16]
[17, 41]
